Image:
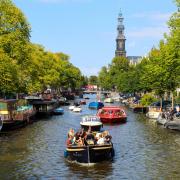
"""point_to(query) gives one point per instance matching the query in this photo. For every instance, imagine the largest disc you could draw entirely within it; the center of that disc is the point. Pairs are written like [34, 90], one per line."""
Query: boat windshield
[90, 118]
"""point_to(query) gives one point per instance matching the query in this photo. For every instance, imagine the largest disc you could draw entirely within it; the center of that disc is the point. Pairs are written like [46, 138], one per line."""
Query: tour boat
[13, 116]
[58, 111]
[95, 105]
[91, 151]
[112, 114]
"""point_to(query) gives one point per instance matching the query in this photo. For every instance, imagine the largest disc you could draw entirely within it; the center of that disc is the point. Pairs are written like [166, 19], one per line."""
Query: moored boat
[108, 100]
[44, 105]
[13, 116]
[112, 114]
[77, 109]
[95, 105]
[89, 146]
[153, 112]
[82, 102]
[58, 111]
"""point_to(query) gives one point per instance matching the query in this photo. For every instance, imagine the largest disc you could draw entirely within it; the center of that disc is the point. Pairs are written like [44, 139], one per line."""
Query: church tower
[120, 40]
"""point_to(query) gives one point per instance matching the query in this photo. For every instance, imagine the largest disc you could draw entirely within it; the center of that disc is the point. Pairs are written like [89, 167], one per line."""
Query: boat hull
[90, 154]
[12, 125]
[113, 120]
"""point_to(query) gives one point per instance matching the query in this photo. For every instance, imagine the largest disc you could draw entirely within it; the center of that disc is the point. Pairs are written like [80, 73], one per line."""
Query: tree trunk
[161, 102]
[172, 100]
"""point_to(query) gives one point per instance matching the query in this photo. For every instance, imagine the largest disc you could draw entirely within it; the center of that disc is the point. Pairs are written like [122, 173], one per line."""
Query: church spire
[120, 40]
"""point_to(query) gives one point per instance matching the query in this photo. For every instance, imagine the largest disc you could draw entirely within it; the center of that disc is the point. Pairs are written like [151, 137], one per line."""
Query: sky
[86, 30]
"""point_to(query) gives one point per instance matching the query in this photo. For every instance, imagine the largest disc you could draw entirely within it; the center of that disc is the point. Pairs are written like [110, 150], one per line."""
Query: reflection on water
[143, 150]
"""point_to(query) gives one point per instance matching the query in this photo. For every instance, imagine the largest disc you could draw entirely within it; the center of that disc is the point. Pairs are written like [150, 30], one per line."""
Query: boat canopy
[91, 120]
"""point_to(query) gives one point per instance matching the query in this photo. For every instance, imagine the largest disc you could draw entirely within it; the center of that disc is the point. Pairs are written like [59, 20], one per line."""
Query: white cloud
[158, 16]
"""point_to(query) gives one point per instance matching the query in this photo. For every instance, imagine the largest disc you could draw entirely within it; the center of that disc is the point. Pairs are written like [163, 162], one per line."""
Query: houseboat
[44, 105]
[91, 144]
[112, 114]
[13, 116]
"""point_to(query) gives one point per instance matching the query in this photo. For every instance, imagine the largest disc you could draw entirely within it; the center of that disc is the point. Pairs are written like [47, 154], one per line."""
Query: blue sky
[86, 29]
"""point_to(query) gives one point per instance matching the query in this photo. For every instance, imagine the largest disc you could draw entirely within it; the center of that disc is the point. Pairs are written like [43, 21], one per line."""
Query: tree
[8, 75]
[93, 80]
[104, 79]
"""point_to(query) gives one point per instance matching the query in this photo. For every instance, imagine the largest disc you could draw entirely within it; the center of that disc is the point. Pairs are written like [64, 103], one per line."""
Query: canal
[143, 150]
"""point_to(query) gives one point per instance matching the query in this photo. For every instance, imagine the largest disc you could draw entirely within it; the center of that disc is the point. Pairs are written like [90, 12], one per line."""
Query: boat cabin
[91, 121]
[7, 107]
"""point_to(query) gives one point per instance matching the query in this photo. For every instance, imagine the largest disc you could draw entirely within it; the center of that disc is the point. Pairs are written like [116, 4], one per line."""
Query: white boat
[162, 119]
[92, 121]
[153, 112]
[77, 109]
[71, 107]
[108, 100]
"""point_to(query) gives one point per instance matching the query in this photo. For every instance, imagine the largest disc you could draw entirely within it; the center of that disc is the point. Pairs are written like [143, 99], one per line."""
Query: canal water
[143, 150]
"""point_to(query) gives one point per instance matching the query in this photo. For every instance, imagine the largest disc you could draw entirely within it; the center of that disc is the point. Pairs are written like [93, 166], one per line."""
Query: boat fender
[65, 154]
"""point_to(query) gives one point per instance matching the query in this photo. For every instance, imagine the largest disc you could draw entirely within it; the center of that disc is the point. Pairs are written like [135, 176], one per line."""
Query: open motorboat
[95, 105]
[58, 111]
[71, 107]
[112, 114]
[153, 112]
[91, 144]
[77, 109]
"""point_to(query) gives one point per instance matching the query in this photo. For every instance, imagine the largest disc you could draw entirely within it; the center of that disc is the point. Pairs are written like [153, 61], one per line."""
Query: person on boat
[71, 132]
[171, 114]
[108, 138]
[101, 140]
[80, 141]
[89, 137]
[70, 141]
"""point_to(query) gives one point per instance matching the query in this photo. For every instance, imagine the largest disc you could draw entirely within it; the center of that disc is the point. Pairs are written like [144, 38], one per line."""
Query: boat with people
[96, 105]
[90, 144]
[112, 114]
